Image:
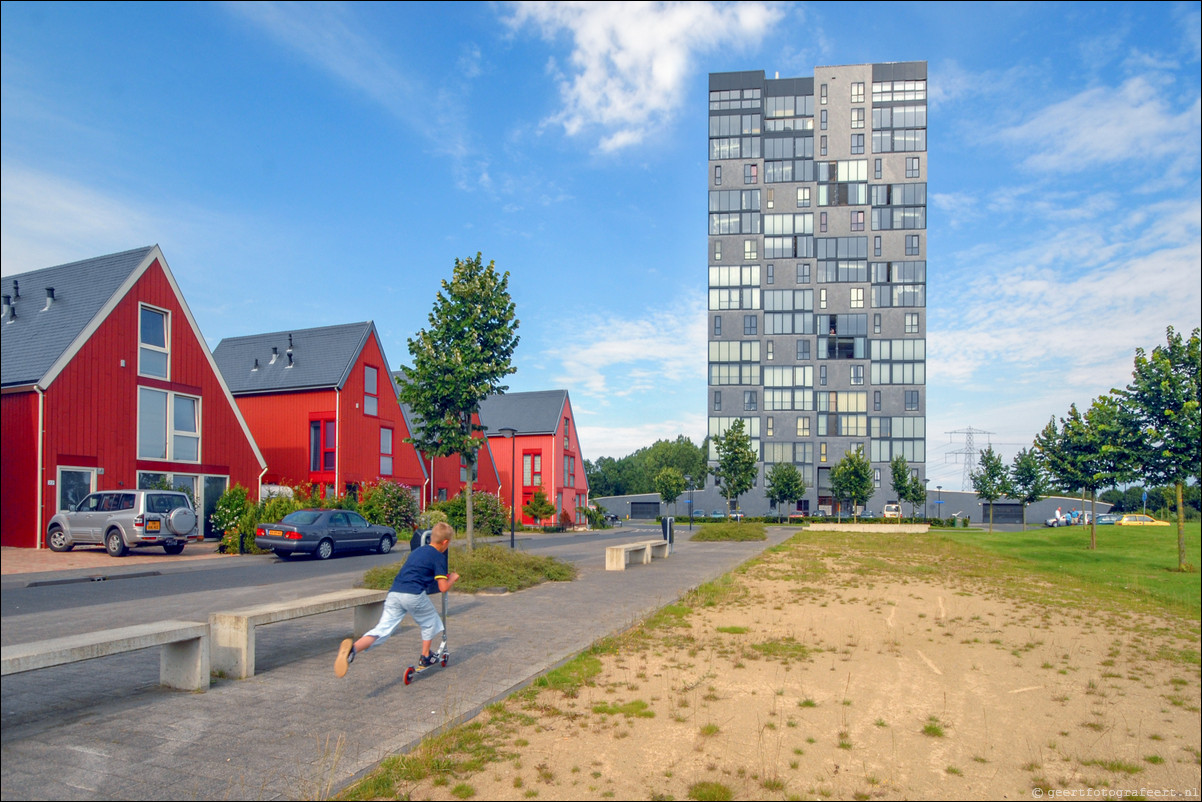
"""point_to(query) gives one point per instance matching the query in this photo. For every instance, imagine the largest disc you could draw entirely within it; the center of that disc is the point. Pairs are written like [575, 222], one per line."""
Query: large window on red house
[154, 345]
[386, 452]
[371, 395]
[323, 445]
[532, 470]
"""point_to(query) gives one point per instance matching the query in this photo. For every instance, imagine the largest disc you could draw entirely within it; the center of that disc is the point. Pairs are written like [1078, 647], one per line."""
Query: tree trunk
[1180, 527]
[1093, 517]
[468, 490]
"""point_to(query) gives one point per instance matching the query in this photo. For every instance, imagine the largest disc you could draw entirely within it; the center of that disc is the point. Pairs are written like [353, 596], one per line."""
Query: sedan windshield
[302, 518]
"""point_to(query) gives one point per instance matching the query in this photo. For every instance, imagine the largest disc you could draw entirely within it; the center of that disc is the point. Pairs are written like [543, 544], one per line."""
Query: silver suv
[125, 519]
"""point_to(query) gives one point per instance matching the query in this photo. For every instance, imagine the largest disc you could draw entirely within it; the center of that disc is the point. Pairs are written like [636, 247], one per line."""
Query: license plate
[153, 526]
[275, 533]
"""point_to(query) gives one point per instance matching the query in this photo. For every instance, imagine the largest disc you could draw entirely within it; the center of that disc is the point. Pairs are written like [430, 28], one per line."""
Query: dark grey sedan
[322, 533]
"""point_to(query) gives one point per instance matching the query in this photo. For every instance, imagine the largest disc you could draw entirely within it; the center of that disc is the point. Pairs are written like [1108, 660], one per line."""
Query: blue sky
[314, 164]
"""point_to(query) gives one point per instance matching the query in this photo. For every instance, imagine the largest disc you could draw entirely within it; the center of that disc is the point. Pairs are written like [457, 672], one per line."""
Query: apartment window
[771, 198]
[771, 274]
[911, 322]
[911, 400]
[822, 375]
[913, 168]
[822, 222]
[750, 401]
[717, 400]
[822, 145]
[822, 119]
[803, 197]
[857, 298]
[717, 250]
[718, 174]
[532, 470]
[803, 427]
[876, 170]
[751, 251]
[822, 298]
[750, 173]
[876, 477]
[876, 246]
[876, 401]
[857, 118]
[803, 274]
[803, 350]
[168, 426]
[876, 324]
[857, 143]
[769, 350]
[371, 396]
[857, 374]
[857, 220]
[857, 92]
[154, 348]
[912, 244]
[323, 444]
[386, 452]
[751, 325]
[717, 325]
[822, 94]
[769, 426]
[822, 452]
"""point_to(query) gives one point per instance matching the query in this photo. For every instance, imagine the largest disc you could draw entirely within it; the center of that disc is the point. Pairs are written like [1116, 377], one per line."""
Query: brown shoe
[346, 654]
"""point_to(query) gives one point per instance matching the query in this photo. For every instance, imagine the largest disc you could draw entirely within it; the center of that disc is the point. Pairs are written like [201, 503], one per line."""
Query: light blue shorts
[396, 606]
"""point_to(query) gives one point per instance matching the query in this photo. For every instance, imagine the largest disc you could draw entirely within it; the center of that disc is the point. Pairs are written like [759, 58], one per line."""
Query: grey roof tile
[35, 339]
[321, 357]
[536, 412]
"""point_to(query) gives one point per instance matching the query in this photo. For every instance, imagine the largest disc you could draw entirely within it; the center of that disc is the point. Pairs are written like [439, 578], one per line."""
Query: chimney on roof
[289, 359]
[290, 350]
[49, 298]
[16, 290]
[275, 354]
[256, 367]
[8, 302]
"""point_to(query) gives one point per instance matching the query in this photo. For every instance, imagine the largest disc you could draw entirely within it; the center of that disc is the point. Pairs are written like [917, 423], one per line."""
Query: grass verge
[486, 567]
[746, 530]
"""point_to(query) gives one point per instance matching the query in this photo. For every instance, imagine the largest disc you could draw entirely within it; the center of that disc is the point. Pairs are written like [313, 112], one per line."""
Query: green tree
[916, 493]
[458, 362]
[735, 471]
[784, 485]
[539, 508]
[899, 477]
[1028, 484]
[851, 479]
[1163, 400]
[669, 483]
[990, 480]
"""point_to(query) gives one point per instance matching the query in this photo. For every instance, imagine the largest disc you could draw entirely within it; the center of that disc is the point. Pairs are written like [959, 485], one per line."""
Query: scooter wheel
[408, 675]
[445, 657]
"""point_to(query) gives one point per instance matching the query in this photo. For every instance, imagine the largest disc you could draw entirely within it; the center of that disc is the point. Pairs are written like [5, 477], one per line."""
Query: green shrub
[490, 516]
[389, 503]
[486, 567]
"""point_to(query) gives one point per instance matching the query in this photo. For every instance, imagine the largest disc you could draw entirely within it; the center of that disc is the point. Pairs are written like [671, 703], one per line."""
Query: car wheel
[283, 555]
[115, 544]
[176, 549]
[385, 545]
[57, 540]
[325, 549]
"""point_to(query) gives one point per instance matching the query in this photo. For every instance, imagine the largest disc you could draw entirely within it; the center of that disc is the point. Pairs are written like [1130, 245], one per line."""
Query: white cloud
[630, 61]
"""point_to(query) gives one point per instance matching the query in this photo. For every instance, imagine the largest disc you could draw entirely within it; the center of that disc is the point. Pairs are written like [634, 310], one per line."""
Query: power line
[968, 452]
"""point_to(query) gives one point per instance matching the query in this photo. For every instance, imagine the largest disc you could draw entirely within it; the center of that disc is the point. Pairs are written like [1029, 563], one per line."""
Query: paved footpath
[293, 731]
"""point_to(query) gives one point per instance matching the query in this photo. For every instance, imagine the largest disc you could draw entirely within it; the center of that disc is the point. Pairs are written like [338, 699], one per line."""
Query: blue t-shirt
[426, 565]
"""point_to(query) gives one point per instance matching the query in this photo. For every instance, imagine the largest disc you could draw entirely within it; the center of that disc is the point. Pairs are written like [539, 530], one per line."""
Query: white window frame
[386, 453]
[170, 432]
[164, 350]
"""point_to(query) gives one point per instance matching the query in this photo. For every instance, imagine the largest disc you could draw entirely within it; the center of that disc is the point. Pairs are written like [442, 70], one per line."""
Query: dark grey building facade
[817, 191]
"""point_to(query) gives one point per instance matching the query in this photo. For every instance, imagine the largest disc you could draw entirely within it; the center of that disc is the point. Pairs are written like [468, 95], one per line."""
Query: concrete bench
[183, 663]
[234, 631]
[618, 557]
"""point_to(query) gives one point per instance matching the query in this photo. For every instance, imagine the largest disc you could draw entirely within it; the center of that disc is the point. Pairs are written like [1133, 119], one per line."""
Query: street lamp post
[509, 433]
[689, 481]
[939, 500]
[924, 498]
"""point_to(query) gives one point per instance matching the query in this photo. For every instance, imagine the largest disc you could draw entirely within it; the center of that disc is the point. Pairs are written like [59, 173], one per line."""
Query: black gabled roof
[320, 357]
[538, 412]
[33, 339]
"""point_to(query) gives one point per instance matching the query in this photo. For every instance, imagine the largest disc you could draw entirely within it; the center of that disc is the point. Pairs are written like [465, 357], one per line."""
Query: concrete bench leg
[185, 665]
[646, 555]
[233, 646]
[367, 616]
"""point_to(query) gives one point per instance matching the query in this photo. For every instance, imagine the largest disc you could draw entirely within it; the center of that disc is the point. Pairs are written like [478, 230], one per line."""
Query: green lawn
[1136, 560]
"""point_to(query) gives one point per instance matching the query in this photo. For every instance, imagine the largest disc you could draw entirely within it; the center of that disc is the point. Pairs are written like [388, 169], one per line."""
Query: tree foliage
[1028, 483]
[990, 479]
[635, 473]
[735, 471]
[785, 485]
[669, 483]
[851, 479]
[538, 507]
[458, 361]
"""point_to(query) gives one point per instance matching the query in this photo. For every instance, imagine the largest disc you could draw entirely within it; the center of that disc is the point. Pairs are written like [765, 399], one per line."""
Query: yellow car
[1139, 520]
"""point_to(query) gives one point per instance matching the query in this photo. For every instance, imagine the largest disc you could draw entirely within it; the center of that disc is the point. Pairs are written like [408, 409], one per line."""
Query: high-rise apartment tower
[817, 269]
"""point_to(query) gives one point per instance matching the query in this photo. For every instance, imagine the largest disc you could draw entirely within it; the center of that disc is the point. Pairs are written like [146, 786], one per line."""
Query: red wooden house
[542, 449]
[107, 383]
[448, 475]
[322, 406]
